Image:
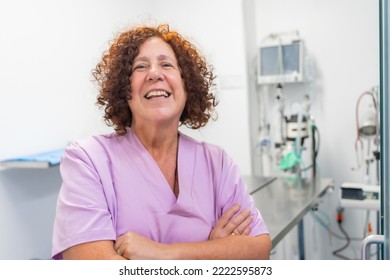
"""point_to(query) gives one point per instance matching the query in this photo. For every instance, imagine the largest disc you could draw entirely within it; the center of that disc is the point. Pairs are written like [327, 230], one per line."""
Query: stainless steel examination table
[283, 202]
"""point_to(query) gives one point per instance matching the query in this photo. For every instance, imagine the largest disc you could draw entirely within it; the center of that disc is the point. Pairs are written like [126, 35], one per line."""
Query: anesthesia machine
[281, 141]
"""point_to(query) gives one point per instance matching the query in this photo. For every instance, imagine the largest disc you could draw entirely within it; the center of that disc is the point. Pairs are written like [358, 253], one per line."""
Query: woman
[148, 191]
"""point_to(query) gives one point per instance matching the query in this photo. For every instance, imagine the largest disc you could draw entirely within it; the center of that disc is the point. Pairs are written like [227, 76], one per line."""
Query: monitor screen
[280, 63]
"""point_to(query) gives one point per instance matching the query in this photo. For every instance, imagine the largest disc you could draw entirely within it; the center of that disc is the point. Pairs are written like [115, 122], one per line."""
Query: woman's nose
[155, 74]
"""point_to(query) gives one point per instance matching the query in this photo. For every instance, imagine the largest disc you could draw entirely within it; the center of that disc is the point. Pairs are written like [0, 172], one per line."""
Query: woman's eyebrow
[159, 58]
[164, 57]
[140, 58]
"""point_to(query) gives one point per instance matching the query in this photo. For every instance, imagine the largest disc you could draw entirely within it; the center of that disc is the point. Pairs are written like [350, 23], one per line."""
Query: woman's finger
[227, 216]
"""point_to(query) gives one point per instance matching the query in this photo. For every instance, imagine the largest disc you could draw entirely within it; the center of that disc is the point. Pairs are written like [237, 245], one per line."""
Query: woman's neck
[159, 142]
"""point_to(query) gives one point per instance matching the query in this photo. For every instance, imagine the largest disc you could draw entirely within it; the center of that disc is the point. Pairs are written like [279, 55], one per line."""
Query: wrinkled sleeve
[82, 213]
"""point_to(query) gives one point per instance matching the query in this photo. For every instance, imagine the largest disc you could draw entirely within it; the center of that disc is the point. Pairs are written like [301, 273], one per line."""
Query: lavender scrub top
[112, 185]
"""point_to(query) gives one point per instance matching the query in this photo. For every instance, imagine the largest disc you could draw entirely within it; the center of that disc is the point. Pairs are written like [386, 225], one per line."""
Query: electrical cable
[326, 226]
[313, 152]
[318, 141]
[339, 221]
[306, 168]
[315, 147]
[337, 252]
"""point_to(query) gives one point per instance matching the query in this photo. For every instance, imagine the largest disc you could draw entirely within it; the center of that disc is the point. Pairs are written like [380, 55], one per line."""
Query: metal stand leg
[301, 241]
[378, 254]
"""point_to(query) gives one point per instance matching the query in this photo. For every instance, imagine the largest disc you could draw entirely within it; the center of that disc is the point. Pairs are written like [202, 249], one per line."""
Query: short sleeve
[82, 213]
[232, 189]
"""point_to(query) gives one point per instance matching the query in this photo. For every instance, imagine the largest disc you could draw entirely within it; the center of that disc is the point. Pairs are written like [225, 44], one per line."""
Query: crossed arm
[229, 239]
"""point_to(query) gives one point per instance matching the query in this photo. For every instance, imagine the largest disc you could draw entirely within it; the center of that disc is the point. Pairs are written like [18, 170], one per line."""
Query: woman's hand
[133, 246]
[227, 225]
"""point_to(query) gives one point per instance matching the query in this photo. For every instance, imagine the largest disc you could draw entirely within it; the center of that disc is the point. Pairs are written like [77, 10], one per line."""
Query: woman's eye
[139, 67]
[167, 65]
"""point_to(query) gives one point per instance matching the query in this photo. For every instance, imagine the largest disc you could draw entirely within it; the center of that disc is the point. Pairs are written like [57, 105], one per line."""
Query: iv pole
[385, 117]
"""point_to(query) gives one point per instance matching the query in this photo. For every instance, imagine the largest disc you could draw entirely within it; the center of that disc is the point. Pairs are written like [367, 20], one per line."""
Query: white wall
[47, 52]
[343, 39]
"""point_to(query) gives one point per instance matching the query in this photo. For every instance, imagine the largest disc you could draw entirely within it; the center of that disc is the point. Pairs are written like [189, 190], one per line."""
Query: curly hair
[113, 73]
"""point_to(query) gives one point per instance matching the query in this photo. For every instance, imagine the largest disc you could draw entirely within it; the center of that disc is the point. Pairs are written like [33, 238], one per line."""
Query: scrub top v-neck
[112, 185]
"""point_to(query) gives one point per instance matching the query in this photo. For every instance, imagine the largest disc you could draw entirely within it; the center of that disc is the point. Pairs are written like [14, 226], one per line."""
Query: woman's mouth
[157, 93]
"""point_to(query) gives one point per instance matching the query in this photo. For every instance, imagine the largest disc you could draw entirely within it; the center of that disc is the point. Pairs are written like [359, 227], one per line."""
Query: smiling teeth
[157, 93]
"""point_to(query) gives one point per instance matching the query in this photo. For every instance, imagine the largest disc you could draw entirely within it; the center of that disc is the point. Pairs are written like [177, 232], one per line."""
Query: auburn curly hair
[113, 73]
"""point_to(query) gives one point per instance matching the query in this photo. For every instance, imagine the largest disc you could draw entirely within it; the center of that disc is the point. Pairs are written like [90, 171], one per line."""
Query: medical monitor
[280, 61]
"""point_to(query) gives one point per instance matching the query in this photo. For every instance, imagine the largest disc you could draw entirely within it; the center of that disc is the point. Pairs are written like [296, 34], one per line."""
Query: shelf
[41, 160]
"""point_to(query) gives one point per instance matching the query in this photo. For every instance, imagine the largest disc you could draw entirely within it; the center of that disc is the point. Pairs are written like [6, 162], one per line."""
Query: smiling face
[157, 89]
